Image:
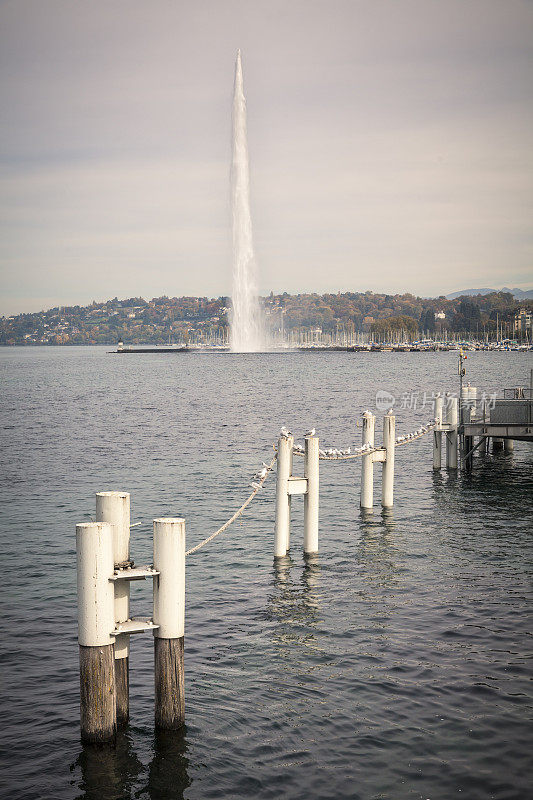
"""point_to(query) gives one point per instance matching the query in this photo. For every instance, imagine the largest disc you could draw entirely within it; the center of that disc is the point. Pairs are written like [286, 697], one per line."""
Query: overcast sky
[390, 145]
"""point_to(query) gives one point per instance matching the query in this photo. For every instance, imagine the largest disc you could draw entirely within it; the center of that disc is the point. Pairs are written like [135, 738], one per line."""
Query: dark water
[393, 666]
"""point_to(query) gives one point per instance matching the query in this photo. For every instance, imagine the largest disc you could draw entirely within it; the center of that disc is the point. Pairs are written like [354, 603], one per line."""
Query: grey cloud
[390, 144]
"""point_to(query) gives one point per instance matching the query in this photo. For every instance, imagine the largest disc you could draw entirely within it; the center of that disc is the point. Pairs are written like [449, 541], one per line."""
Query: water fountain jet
[247, 328]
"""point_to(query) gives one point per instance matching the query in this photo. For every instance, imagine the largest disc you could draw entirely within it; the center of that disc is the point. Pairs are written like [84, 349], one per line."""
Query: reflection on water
[294, 602]
[393, 665]
[371, 521]
[168, 777]
[110, 773]
[377, 555]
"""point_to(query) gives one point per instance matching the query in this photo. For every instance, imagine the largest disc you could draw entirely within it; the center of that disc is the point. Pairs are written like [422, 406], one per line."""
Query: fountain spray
[247, 329]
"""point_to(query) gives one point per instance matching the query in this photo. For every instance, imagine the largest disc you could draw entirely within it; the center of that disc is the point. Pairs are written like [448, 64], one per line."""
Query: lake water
[392, 666]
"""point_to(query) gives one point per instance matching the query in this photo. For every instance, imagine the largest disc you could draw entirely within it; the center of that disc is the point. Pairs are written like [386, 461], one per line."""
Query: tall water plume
[247, 329]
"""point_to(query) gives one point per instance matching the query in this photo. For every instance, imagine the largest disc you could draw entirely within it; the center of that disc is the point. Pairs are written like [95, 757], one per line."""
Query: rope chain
[238, 513]
[334, 455]
[342, 455]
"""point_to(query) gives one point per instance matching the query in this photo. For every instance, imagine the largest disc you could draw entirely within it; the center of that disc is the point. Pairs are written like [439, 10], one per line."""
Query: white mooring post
[283, 499]
[169, 616]
[452, 420]
[96, 623]
[437, 433]
[367, 461]
[311, 472]
[387, 477]
[114, 507]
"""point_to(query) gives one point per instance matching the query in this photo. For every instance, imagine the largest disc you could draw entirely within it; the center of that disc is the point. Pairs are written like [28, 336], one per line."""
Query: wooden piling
[114, 507]
[169, 683]
[98, 718]
[94, 555]
[169, 615]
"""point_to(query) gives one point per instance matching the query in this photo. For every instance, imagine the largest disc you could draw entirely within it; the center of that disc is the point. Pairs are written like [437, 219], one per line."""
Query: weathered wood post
[387, 477]
[437, 433]
[311, 472]
[169, 615]
[114, 507]
[367, 461]
[96, 622]
[452, 420]
[283, 500]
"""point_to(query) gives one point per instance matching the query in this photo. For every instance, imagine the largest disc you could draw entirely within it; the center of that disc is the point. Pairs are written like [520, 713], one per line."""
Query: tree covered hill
[139, 321]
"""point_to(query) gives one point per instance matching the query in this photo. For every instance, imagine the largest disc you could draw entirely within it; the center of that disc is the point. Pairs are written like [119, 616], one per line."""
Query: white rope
[259, 485]
[411, 437]
[336, 454]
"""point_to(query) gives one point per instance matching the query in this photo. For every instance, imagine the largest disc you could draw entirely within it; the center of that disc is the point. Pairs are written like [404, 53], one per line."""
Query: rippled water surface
[393, 665]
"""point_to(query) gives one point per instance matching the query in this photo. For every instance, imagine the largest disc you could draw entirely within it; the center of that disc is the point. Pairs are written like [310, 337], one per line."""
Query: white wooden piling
[437, 433]
[452, 419]
[169, 615]
[387, 477]
[96, 622]
[311, 472]
[114, 507]
[283, 500]
[367, 461]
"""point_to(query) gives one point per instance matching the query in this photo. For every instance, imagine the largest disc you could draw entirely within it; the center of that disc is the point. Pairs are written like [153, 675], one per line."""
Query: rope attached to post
[335, 454]
[257, 486]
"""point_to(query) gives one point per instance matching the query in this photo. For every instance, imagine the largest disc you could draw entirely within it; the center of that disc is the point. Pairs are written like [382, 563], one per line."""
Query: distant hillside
[201, 319]
[520, 294]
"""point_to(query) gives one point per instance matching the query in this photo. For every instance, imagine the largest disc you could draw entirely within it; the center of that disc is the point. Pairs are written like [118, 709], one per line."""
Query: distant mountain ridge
[520, 294]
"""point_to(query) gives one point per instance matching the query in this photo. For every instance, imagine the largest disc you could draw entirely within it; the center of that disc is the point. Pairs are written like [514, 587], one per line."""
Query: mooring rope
[257, 486]
[411, 437]
[337, 454]
[331, 454]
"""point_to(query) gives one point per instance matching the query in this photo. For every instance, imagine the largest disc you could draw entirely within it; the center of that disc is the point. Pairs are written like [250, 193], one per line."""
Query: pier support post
[387, 477]
[452, 419]
[169, 615]
[367, 462]
[467, 441]
[311, 472]
[508, 445]
[96, 622]
[114, 507]
[437, 433]
[497, 443]
[283, 500]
